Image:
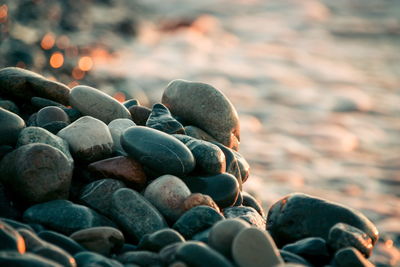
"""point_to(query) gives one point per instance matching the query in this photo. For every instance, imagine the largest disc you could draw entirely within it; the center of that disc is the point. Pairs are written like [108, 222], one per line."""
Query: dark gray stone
[62, 241]
[248, 214]
[117, 127]
[290, 257]
[9, 105]
[141, 258]
[160, 239]
[161, 119]
[51, 114]
[15, 259]
[11, 126]
[131, 102]
[349, 256]
[92, 259]
[250, 201]
[198, 133]
[140, 114]
[313, 249]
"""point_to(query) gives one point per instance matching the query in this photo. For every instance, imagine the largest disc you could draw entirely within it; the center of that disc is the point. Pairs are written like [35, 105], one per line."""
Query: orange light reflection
[56, 60]
[78, 74]
[120, 96]
[63, 42]
[48, 41]
[85, 63]
[3, 13]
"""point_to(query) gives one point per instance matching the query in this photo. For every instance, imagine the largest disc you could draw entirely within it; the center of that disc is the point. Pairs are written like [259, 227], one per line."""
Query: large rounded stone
[198, 199]
[135, 214]
[89, 139]
[248, 214]
[51, 114]
[167, 193]
[253, 247]
[37, 172]
[11, 239]
[157, 150]
[204, 106]
[92, 102]
[161, 119]
[24, 84]
[11, 126]
[160, 239]
[117, 127]
[297, 216]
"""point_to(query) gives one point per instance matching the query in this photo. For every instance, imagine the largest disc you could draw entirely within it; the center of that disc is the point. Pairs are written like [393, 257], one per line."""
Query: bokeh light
[56, 60]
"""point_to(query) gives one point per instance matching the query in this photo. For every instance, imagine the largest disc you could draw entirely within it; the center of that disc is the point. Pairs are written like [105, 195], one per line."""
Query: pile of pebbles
[88, 181]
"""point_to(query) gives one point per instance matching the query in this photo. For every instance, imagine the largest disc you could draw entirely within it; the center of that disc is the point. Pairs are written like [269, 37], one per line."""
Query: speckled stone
[92, 102]
[198, 199]
[350, 257]
[12, 258]
[167, 193]
[11, 239]
[313, 249]
[248, 214]
[160, 239]
[317, 216]
[117, 127]
[161, 119]
[51, 114]
[204, 106]
[91, 259]
[11, 126]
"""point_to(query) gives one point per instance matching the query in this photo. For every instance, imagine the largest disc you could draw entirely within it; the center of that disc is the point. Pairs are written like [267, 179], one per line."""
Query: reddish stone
[198, 199]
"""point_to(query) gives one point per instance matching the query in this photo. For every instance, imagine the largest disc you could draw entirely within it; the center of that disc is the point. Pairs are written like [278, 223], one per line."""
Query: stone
[297, 216]
[250, 201]
[17, 225]
[91, 259]
[202, 236]
[61, 241]
[131, 102]
[313, 249]
[42, 248]
[196, 219]
[11, 239]
[140, 114]
[8, 209]
[167, 193]
[10, 106]
[135, 214]
[141, 258]
[98, 194]
[40, 102]
[209, 158]
[64, 216]
[160, 239]
[93, 102]
[222, 188]
[117, 127]
[342, 235]
[239, 200]
[4, 150]
[51, 114]
[232, 165]
[248, 214]
[121, 168]
[253, 247]
[161, 119]
[103, 240]
[12, 258]
[24, 84]
[158, 151]
[33, 134]
[290, 257]
[206, 107]
[89, 139]
[11, 126]
[167, 254]
[37, 173]
[55, 126]
[198, 133]
[243, 165]
[198, 254]
[223, 233]
[198, 199]
[350, 257]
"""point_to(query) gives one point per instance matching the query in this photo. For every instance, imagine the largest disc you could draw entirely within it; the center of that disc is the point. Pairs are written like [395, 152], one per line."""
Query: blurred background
[316, 83]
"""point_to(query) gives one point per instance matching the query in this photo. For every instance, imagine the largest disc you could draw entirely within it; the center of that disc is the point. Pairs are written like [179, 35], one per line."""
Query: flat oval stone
[161, 119]
[92, 102]
[64, 216]
[160, 239]
[157, 150]
[103, 240]
[24, 84]
[55, 126]
[51, 114]
[117, 127]
[62, 241]
[253, 247]
[198, 254]
[198, 133]
[196, 219]
[12, 258]
[121, 168]
[222, 188]
[11, 239]
[89, 139]
[141, 258]
[37, 172]
[135, 214]
[198, 199]
[313, 249]
[140, 114]
[248, 214]
[343, 235]
[223, 233]
[350, 257]
[88, 259]
[250, 201]
[317, 216]
[290, 257]
[167, 193]
[41, 102]
[11, 126]
[98, 194]
[206, 107]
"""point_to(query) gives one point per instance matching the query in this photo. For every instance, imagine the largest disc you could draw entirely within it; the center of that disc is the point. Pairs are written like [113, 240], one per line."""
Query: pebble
[37, 173]
[51, 114]
[253, 247]
[167, 254]
[198, 199]
[117, 127]
[89, 139]
[239, 200]
[248, 214]
[167, 193]
[93, 102]
[42, 248]
[158, 151]
[243, 165]
[204, 106]
[11, 239]
[209, 158]
[350, 257]
[24, 84]
[297, 216]
[196, 219]
[92, 259]
[290, 257]
[135, 214]
[202, 236]
[222, 188]
[16, 224]
[121, 168]
[231, 163]
[40, 102]
[140, 114]
[161, 119]
[141, 258]
[160, 239]
[313, 249]
[12, 258]
[10, 106]
[11, 126]
[64, 216]
[103, 240]
[55, 126]
[62, 241]
[98, 194]
[198, 133]
[33, 134]
[250, 201]
[223, 233]
[198, 254]
[131, 102]
[343, 235]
